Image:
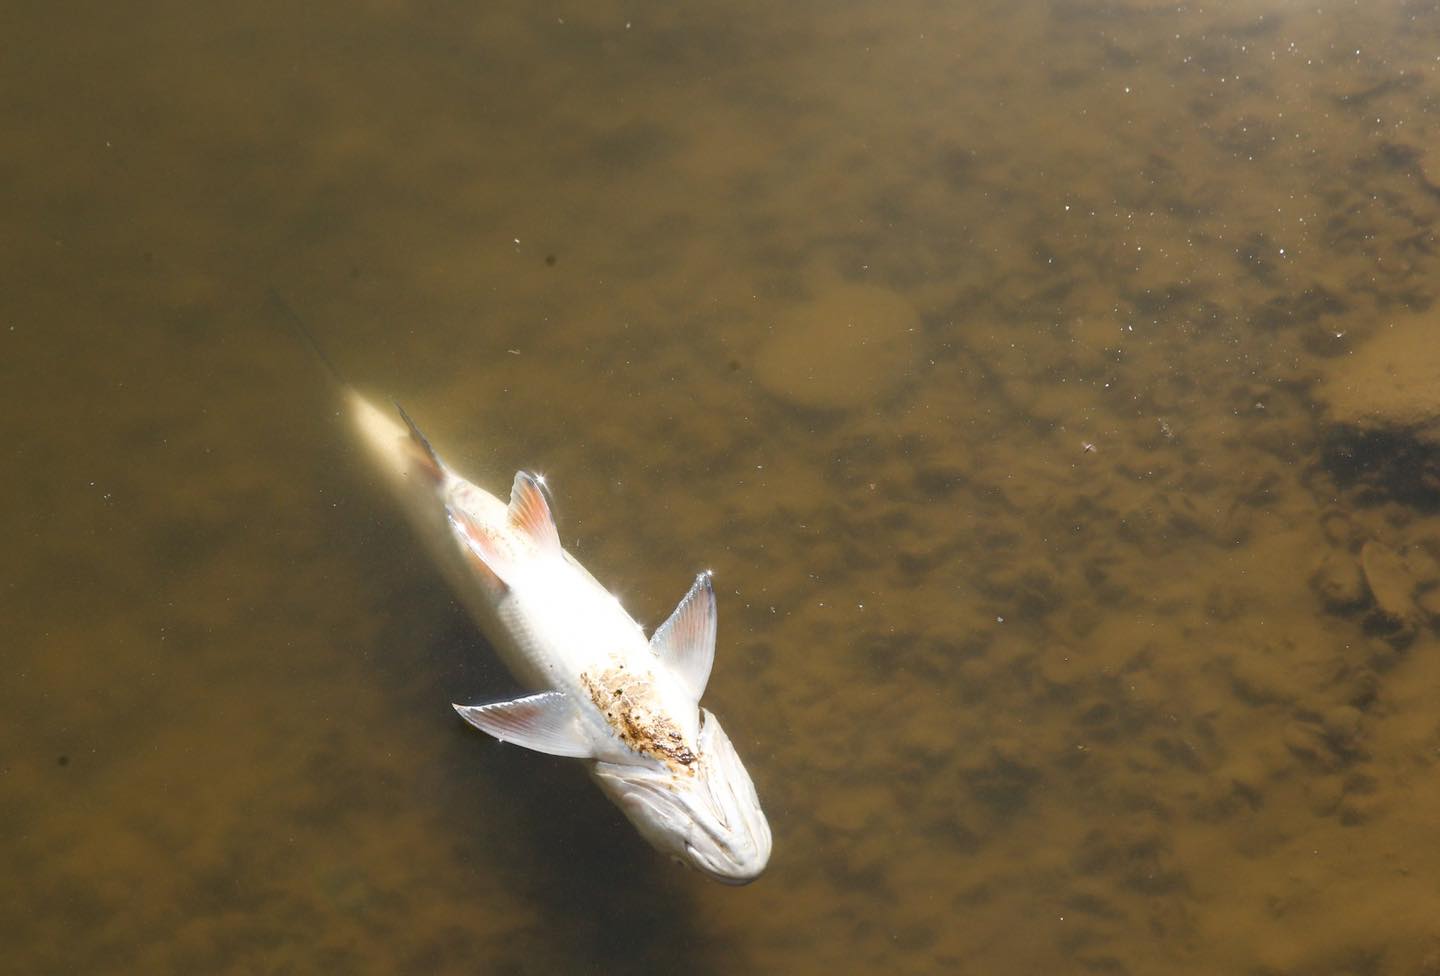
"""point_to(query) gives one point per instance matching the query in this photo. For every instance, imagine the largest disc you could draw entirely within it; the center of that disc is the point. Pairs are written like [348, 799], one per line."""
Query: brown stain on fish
[628, 705]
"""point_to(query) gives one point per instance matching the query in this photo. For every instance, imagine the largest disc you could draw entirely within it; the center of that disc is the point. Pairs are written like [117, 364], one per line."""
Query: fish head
[706, 814]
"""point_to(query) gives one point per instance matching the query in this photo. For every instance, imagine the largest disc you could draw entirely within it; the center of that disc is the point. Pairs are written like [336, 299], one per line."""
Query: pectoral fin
[546, 722]
[686, 641]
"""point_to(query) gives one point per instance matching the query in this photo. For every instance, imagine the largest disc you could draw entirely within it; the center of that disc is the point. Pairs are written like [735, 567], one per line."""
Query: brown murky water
[980, 349]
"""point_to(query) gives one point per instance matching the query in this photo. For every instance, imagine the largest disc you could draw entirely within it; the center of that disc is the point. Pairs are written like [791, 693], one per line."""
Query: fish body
[624, 704]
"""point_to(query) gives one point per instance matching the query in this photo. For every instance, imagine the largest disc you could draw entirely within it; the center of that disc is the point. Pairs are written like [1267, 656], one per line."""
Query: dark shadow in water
[617, 905]
[1391, 464]
[606, 902]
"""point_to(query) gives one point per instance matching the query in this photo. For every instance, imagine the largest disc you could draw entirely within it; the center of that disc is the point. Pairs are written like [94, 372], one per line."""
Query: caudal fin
[400, 455]
[307, 339]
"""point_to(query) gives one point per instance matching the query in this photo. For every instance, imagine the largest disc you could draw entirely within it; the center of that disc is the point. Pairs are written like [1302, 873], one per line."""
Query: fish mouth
[733, 873]
[707, 817]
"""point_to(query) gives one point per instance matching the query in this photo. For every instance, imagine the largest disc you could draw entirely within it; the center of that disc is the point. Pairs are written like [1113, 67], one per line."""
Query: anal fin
[425, 456]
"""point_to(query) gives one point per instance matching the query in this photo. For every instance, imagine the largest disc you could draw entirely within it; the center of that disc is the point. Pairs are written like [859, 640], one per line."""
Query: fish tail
[306, 337]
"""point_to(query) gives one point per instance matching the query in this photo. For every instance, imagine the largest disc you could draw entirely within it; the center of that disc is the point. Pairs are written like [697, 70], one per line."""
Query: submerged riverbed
[1048, 386]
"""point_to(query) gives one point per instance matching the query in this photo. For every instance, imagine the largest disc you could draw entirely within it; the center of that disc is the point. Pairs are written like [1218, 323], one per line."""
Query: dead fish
[626, 706]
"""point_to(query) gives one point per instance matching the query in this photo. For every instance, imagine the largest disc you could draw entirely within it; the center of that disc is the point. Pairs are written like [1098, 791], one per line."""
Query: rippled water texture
[1052, 388]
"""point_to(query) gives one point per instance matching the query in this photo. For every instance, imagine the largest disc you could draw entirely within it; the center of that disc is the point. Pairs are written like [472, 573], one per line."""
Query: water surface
[975, 347]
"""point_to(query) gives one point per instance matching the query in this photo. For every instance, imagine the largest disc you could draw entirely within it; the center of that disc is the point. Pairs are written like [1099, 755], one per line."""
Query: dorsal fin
[530, 512]
[686, 641]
